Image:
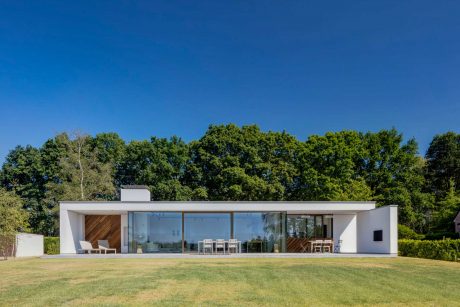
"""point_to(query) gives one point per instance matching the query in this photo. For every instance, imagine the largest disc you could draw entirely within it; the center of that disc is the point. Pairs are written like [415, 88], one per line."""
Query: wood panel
[103, 227]
[294, 245]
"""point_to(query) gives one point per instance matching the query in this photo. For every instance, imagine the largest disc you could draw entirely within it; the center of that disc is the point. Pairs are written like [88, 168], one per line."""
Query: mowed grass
[219, 282]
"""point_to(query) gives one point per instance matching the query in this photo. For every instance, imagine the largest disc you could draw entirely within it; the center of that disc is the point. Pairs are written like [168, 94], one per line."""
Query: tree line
[240, 163]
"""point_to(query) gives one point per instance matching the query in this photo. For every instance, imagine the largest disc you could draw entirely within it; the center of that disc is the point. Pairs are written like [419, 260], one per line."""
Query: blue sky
[172, 68]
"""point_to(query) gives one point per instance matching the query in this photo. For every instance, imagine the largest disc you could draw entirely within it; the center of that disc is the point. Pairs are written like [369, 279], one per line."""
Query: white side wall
[29, 245]
[72, 230]
[345, 231]
[385, 219]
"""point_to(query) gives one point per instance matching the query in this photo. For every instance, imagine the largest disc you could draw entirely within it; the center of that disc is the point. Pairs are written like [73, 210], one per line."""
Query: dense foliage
[447, 249]
[242, 163]
[51, 245]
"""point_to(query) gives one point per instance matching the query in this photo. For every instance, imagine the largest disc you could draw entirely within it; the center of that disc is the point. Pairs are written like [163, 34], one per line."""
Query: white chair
[88, 247]
[233, 244]
[317, 246]
[208, 245]
[220, 245]
[104, 246]
[327, 244]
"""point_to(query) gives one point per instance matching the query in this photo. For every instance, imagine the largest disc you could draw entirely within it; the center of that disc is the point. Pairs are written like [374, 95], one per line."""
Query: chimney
[134, 193]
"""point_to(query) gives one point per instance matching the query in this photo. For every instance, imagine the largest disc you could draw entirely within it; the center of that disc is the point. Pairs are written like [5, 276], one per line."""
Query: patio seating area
[209, 246]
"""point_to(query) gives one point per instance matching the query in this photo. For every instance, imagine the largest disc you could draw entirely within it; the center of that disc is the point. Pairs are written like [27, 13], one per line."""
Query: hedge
[447, 249]
[51, 245]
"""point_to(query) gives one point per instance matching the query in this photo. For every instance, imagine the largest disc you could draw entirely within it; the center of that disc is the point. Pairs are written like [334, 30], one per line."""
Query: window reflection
[155, 232]
[260, 232]
[200, 226]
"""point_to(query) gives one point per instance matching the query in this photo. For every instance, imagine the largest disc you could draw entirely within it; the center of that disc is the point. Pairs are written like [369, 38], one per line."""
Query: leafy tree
[110, 147]
[81, 175]
[232, 163]
[160, 164]
[13, 218]
[24, 174]
[447, 209]
[443, 163]
[329, 168]
[394, 172]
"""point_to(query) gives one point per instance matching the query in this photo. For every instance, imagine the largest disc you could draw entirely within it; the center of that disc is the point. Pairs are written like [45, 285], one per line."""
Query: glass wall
[260, 232]
[155, 232]
[309, 226]
[200, 226]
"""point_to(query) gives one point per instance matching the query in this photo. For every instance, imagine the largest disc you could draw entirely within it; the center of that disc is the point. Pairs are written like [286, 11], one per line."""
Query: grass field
[373, 281]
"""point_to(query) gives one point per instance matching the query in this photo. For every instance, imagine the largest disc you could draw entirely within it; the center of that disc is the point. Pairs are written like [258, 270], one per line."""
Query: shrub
[405, 232]
[435, 249]
[51, 245]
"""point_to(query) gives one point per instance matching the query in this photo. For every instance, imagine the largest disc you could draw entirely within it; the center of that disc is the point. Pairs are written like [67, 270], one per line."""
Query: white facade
[353, 222]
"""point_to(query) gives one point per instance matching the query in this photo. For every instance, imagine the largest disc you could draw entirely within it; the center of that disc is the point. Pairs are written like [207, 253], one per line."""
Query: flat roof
[292, 207]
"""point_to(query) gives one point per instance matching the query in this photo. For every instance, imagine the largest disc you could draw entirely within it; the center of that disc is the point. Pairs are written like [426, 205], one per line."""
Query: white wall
[345, 230]
[135, 195]
[29, 245]
[385, 219]
[72, 230]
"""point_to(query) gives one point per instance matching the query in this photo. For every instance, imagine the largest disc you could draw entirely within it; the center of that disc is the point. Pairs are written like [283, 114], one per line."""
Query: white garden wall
[29, 245]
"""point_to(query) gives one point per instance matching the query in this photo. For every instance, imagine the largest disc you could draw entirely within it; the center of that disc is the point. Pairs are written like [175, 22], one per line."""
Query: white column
[124, 233]
[345, 231]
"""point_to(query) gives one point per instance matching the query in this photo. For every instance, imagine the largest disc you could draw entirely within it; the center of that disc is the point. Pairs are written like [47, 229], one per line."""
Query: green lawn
[372, 281]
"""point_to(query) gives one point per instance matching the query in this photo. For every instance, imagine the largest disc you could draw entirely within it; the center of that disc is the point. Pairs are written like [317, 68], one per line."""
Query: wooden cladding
[103, 227]
[296, 245]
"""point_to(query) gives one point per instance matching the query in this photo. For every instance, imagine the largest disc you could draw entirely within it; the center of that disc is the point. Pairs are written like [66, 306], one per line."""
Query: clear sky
[172, 68]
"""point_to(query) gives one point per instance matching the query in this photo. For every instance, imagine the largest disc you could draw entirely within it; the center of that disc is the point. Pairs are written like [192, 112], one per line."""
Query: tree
[447, 209]
[160, 164]
[394, 171]
[81, 175]
[13, 218]
[329, 168]
[443, 163]
[24, 174]
[232, 163]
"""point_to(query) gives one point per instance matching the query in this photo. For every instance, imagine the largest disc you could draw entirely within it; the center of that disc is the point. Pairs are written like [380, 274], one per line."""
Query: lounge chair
[88, 247]
[104, 246]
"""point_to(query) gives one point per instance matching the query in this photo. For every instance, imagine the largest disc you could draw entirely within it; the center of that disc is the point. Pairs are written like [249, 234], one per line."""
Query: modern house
[137, 225]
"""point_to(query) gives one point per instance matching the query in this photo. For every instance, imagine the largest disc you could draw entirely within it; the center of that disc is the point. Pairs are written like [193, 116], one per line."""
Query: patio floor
[198, 256]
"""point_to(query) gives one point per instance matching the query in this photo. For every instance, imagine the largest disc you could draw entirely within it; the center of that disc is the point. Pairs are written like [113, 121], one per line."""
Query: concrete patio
[216, 256]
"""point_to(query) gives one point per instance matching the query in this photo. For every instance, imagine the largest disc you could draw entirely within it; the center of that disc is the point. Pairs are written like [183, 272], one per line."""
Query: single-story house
[138, 225]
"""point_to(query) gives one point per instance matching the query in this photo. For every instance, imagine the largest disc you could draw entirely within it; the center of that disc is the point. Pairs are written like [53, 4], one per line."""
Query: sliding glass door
[155, 232]
[260, 232]
[200, 226]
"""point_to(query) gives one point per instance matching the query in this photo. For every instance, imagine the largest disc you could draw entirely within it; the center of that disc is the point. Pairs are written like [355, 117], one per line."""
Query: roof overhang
[291, 207]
